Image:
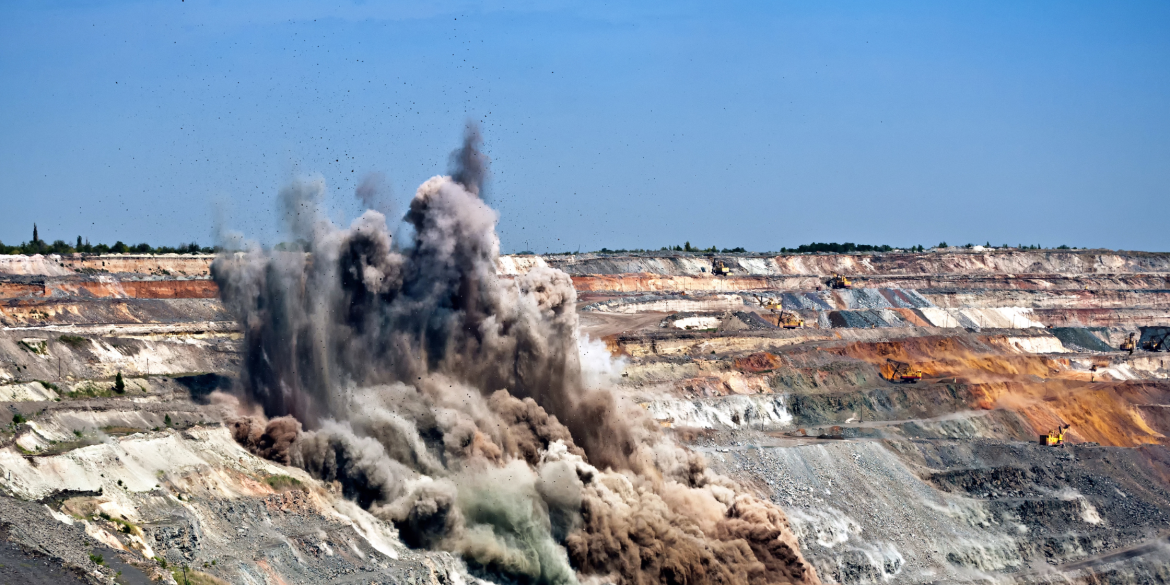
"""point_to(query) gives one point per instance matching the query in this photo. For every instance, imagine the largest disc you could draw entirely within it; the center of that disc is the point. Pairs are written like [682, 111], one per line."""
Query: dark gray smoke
[374, 193]
[450, 402]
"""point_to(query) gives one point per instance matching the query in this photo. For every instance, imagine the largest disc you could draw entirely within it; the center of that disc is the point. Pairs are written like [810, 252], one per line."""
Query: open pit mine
[437, 413]
[900, 433]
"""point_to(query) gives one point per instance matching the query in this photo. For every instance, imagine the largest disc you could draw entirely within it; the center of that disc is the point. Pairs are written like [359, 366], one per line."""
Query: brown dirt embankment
[17, 290]
[137, 289]
[109, 289]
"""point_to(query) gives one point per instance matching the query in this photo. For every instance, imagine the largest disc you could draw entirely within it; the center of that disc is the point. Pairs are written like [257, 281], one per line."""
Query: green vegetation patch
[187, 576]
[74, 341]
[48, 385]
[90, 390]
[37, 347]
[57, 448]
[284, 483]
[124, 526]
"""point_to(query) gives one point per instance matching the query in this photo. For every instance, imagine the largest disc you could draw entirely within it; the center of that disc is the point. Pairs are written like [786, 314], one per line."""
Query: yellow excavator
[719, 268]
[1055, 437]
[1129, 344]
[901, 372]
[1156, 343]
[785, 319]
[768, 302]
[839, 281]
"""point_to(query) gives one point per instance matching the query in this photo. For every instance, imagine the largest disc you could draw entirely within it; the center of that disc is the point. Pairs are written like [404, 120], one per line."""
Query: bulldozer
[1129, 344]
[1156, 343]
[1055, 437]
[719, 267]
[839, 281]
[901, 372]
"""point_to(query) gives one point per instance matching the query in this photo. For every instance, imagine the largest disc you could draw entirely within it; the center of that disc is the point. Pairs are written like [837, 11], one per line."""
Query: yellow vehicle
[768, 303]
[1156, 343]
[901, 372]
[785, 319]
[1054, 438]
[719, 268]
[1129, 344]
[789, 320]
[839, 281]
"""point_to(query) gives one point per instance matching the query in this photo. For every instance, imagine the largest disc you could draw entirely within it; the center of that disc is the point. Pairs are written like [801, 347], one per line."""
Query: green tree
[119, 384]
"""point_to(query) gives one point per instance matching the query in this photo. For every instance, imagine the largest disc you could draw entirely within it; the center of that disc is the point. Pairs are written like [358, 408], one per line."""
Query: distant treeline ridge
[38, 246]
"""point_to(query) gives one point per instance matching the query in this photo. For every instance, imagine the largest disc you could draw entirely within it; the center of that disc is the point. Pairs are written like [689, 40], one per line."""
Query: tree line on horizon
[818, 247]
[39, 246]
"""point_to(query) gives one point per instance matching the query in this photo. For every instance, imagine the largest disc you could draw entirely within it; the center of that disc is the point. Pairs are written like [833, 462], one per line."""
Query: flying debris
[452, 402]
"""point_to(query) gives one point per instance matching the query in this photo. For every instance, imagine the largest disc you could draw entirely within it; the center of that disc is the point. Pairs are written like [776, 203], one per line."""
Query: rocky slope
[941, 480]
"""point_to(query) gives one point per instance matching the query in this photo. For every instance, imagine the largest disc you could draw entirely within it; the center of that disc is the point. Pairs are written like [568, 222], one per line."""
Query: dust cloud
[453, 403]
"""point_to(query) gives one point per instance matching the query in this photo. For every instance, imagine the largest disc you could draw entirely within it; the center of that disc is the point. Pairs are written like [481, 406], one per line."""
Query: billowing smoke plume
[451, 402]
[374, 192]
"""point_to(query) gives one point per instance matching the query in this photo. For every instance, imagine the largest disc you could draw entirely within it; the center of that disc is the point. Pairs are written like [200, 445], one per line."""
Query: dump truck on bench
[901, 372]
[719, 267]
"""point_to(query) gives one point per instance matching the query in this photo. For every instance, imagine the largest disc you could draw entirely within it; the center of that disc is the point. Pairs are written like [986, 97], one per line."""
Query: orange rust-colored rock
[758, 362]
[138, 289]
[16, 290]
[172, 289]
[1108, 413]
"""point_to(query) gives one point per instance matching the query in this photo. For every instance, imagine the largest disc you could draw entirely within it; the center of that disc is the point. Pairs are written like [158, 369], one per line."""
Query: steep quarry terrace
[940, 480]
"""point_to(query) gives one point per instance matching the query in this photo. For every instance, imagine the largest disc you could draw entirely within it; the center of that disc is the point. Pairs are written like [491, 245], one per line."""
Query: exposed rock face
[477, 450]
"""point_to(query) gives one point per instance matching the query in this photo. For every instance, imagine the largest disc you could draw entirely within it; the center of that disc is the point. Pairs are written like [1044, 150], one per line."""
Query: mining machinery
[1055, 437]
[901, 372]
[1129, 344]
[719, 267]
[768, 302]
[1156, 343]
[839, 281]
[789, 320]
[785, 319]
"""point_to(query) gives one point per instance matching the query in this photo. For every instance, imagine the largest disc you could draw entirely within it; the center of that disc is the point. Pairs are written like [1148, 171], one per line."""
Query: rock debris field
[944, 479]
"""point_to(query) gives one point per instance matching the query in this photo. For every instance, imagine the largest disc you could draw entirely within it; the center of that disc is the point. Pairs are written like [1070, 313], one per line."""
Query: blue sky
[761, 125]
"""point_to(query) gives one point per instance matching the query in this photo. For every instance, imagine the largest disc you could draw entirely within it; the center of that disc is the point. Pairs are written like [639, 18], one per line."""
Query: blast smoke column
[451, 402]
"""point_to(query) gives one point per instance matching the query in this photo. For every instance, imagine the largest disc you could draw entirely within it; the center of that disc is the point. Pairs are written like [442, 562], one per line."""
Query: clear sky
[623, 125]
